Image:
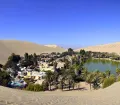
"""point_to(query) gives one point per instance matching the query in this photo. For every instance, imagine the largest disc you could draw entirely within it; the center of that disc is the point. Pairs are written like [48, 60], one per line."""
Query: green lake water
[102, 65]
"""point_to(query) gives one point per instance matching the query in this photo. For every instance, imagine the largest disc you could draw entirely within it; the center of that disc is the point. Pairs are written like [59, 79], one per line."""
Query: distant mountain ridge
[110, 48]
[52, 46]
[7, 47]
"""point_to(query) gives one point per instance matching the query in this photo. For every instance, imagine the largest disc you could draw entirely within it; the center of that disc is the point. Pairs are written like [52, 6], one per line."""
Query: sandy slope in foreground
[108, 96]
[113, 47]
[20, 47]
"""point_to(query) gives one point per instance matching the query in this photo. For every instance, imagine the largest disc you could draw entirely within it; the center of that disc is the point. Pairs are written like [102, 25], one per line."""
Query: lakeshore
[107, 59]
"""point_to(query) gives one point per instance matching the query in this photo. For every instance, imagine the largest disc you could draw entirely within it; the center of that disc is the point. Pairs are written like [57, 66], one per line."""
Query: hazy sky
[73, 23]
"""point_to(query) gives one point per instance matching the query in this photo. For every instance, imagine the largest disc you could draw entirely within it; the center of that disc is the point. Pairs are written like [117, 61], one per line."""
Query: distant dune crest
[110, 48]
[52, 46]
[7, 47]
[21, 47]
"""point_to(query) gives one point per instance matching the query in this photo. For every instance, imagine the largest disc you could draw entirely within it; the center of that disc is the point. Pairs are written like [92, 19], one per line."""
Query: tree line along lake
[102, 65]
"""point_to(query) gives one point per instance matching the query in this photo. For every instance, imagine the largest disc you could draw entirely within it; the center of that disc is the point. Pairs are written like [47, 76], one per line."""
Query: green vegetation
[63, 78]
[70, 51]
[29, 60]
[35, 87]
[108, 81]
[75, 72]
[118, 78]
[49, 78]
[118, 71]
[4, 78]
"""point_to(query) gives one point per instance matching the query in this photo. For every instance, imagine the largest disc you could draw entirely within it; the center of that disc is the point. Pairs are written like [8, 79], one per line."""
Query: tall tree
[77, 69]
[82, 52]
[1, 65]
[55, 66]
[96, 79]
[14, 58]
[26, 56]
[67, 64]
[4, 78]
[118, 71]
[70, 51]
[85, 74]
[12, 63]
[89, 79]
[49, 78]
[108, 73]
[102, 77]
[67, 77]
[35, 59]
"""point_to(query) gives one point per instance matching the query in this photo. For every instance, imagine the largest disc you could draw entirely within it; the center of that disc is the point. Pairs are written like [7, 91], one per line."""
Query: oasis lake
[102, 65]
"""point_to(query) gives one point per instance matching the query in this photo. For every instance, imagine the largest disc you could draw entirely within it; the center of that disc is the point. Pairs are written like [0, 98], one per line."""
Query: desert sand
[52, 46]
[7, 47]
[110, 48]
[108, 96]
[20, 47]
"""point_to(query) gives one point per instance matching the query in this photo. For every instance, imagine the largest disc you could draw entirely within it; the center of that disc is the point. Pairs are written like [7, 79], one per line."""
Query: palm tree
[1, 66]
[67, 64]
[70, 51]
[55, 65]
[49, 78]
[96, 79]
[102, 77]
[89, 79]
[82, 52]
[118, 71]
[69, 78]
[61, 81]
[108, 73]
[77, 69]
[85, 74]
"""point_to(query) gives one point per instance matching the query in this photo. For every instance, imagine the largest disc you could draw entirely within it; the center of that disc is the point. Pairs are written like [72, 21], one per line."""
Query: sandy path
[109, 96]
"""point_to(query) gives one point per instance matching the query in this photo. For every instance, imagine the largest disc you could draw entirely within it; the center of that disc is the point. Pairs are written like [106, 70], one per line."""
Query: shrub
[4, 78]
[1, 65]
[118, 79]
[30, 87]
[45, 85]
[108, 81]
[34, 87]
[38, 87]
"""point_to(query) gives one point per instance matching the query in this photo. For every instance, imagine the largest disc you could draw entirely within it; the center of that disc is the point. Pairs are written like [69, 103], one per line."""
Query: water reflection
[102, 65]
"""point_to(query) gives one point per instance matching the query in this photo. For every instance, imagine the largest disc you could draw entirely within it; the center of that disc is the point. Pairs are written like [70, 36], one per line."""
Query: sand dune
[20, 47]
[52, 46]
[108, 96]
[113, 47]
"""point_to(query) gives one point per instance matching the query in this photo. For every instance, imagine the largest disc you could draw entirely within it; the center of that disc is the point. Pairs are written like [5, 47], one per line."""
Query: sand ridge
[7, 47]
[110, 48]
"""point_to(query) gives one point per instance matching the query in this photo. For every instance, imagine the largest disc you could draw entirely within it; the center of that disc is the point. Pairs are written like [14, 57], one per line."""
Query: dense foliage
[29, 60]
[108, 81]
[4, 78]
[1, 65]
[35, 87]
[12, 61]
[72, 73]
[118, 78]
